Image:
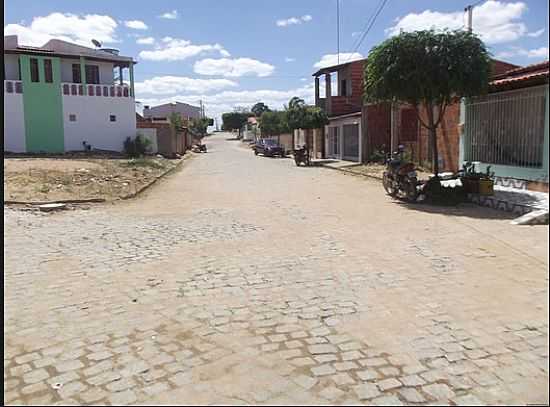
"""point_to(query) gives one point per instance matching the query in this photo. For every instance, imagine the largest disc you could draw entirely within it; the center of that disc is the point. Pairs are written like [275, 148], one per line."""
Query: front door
[351, 142]
[333, 142]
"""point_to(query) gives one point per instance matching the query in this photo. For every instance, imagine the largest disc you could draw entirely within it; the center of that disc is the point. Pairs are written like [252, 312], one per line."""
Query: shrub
[136, 147]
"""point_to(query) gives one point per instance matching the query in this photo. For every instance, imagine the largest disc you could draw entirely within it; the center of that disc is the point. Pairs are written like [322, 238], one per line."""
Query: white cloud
[176, 50]
[136, 24]
[287, 59]
[170, 15]
[225, 101]
[332, 59]
[495, 21]
[356, 33]
[145, 41]
[536, 34]
[293, 20]
[165, 85]
[67, 27]
[540, 53]
[233, 67]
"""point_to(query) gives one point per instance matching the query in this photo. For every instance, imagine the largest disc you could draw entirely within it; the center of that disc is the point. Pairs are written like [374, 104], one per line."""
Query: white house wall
[14, 123]
[93, 124]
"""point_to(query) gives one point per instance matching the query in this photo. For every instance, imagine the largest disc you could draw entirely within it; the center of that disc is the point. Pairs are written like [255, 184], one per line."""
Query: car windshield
[270, 142]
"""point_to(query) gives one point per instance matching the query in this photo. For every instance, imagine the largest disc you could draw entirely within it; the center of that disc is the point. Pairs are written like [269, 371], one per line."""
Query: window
[343, 88]
[76, 74]
[92, 74]
[34, 70]
[112, 118]
[72, 117]
[19, 68]
[48, 74]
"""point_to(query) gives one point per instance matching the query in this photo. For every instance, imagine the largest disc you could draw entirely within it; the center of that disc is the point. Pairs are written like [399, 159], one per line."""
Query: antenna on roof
[96, 43]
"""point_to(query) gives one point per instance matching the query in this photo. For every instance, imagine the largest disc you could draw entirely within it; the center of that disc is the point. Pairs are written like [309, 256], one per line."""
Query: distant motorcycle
[400, 178]
[199, 148]
[301, 156]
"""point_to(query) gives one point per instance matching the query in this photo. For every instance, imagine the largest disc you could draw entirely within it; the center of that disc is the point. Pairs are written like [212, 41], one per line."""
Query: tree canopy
[427, 68]
[199, 126]
[233, 121]
[274, 123]
[259, 108]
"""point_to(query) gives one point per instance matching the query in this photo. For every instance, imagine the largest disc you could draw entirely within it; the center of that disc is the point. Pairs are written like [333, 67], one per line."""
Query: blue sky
[240, 52]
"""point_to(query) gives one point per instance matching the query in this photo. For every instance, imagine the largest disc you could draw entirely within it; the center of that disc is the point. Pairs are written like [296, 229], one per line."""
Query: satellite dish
[96, 43]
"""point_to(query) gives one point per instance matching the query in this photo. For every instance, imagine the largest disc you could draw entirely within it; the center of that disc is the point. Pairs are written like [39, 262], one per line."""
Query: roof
[63, 49]
[252, 120]
[333, 68]
[530, 75]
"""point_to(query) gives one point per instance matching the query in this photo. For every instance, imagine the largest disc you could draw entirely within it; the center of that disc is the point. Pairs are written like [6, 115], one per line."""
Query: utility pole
[338, 30]
[469, 10]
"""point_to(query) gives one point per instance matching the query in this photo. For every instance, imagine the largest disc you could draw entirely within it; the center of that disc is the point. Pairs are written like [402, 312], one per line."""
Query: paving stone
[351, 355]
[156, 389]
[389, 371]
[302, 362]
[122, 398]
[33, 388]
[438, 391]
[181, 379]
[468, 400]
[92, 395]
[331, 393]
[367, 375]
[344, 366]
[323, 370]
[342, 379]
[326, 358]
[35, 376]
[373, 362]
[366, 391]
[71, 389]
[322, 349]
[411, 395]
[386, 401]
[305, 382]
[388, 384]
[412, 380]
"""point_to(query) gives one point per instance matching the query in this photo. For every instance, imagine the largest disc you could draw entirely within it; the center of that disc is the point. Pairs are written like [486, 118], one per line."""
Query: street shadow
[464, 210]
[232, 139]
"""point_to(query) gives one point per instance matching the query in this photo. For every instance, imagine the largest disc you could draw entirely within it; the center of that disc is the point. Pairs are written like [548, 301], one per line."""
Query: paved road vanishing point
[244, 279]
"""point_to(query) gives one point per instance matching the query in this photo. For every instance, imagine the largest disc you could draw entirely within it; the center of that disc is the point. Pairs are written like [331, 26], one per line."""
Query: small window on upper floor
[112, 118]
[76, 74]
[34, 70]
[343, 87]
[92, 74]
[48, 74]
[72, 117]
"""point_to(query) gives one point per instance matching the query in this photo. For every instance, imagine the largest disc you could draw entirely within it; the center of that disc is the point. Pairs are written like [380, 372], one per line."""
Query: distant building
[163, 112]
[65, 97]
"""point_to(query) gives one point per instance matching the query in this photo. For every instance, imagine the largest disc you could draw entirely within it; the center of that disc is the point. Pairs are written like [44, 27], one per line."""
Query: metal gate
[351, 142]
[507, 128]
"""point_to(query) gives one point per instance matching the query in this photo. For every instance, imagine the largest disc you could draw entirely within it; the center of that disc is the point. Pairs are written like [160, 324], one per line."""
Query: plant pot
[486, 187]
[471, 185]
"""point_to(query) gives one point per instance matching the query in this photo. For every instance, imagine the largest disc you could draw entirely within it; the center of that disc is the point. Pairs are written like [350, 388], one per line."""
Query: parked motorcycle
[199, 148]
[301, 156]
[400, 179]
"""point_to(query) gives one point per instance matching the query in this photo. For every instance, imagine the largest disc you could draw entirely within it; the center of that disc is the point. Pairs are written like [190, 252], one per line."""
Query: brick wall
[378, 127]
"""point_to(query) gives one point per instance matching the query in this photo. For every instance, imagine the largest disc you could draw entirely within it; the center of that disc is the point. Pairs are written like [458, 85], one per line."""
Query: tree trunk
[433, 139]
[293, 141]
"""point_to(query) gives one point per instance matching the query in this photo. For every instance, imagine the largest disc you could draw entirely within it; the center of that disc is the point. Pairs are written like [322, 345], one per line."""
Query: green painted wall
[42, 106]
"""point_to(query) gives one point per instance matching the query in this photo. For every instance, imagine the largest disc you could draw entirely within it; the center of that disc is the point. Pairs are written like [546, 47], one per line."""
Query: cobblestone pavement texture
[244, 279]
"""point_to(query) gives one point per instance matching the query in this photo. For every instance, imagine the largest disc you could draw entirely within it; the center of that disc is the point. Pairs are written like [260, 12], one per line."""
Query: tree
[199, 126]
[259, 108]
[428, 69]
[234, 121]
[273, 123]
[301, 116]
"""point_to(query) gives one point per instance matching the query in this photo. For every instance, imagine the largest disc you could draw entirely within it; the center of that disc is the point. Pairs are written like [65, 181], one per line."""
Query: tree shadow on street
[465, 210]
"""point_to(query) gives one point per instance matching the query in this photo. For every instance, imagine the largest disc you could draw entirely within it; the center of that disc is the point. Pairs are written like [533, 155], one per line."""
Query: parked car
[269, 148]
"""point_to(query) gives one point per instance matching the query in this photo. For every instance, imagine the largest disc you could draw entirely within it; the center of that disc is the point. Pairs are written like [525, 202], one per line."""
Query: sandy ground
[52, 179]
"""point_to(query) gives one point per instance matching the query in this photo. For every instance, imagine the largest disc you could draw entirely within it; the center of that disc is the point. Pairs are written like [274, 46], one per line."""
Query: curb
[65, 201]
[150, 184]
[352, 172]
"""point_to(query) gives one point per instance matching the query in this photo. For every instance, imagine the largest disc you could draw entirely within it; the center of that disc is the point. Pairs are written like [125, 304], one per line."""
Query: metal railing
[507, 128]
[77, 89]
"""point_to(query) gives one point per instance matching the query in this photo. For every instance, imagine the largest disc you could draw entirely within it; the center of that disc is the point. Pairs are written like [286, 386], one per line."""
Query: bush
[136, 147]
[438, 194]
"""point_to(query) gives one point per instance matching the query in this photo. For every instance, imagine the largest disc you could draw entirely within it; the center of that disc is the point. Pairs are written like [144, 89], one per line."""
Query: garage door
[351, 142]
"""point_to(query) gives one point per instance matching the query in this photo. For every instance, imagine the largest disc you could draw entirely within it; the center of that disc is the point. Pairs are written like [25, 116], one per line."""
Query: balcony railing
[13, 87]
[77, 89]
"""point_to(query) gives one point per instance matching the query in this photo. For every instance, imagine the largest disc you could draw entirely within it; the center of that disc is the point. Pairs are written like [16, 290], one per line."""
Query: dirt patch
[54, 179]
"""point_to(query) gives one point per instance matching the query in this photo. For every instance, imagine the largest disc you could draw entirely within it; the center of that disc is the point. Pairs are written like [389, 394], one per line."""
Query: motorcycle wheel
[255, 152]
[411, 191]
[387, 182]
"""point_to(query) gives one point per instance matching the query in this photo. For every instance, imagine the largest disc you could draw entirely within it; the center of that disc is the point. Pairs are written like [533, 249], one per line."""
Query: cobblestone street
[247, 280]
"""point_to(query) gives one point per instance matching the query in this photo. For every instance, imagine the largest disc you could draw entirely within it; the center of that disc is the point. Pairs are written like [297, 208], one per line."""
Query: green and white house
[65, 97]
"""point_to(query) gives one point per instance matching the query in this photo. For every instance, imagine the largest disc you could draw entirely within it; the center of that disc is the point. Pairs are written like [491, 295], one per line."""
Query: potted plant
[477, 182]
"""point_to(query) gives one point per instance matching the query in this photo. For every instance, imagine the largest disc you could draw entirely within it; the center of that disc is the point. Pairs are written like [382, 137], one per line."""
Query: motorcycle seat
[395, 163]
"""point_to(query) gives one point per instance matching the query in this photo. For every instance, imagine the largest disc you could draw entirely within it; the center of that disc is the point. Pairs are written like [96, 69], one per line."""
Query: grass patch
[144, 162]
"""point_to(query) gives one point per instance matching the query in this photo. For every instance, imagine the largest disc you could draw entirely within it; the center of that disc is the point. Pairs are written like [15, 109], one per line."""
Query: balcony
[77, 89]
[340, 105]
[13, 86]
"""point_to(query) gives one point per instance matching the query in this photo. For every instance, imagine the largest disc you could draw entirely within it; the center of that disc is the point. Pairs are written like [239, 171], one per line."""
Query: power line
[373, 20]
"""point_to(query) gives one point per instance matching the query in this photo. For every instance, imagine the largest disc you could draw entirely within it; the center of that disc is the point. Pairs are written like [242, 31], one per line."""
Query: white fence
[507, 128]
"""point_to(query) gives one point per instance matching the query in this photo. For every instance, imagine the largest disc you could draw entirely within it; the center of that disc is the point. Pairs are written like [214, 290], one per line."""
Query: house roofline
[333, 68]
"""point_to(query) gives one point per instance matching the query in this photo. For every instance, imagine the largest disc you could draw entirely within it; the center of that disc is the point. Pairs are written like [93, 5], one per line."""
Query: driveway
[244, 279]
